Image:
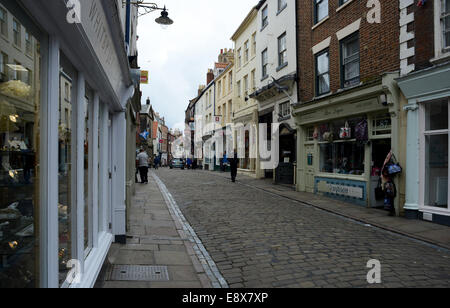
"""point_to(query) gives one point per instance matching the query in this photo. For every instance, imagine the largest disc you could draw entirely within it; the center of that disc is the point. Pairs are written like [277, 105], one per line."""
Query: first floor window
[16, 31]
[445, 20]
[264, 63]
[282, 50]
[350, 61]
[322, 73]
[285, 109]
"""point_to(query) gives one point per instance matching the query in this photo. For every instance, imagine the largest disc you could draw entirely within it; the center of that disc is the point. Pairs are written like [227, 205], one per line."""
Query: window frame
[316, 56]
[282, 54]
[422, 136]
[4, 23]
[17, 41]
[281, 6]
[264, 63]
[316, 5]
[264, 17]
[342, 45]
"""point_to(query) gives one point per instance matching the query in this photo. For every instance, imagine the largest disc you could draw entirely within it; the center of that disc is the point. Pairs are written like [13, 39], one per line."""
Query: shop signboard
[348, 190]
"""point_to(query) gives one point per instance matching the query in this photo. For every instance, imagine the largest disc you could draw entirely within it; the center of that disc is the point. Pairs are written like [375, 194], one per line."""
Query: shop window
[342, 158]
[340, 153]
[436, 170]
[382, 125]
[65, 210]
[436, 116]
[19, 169]
[87, 178]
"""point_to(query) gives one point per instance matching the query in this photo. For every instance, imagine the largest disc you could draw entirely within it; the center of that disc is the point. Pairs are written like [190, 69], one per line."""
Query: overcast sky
[178, 58]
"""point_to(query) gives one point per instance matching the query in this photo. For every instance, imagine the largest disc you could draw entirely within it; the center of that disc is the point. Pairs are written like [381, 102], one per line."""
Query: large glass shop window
[65, 212]
[436, 154]
[340, 153]
[19, 153]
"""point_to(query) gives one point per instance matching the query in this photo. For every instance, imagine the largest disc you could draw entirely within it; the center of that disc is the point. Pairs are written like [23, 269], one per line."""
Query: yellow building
[245, 109]
[224, 104]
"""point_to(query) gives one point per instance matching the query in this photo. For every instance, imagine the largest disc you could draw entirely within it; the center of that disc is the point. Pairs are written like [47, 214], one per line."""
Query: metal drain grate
[139, 273]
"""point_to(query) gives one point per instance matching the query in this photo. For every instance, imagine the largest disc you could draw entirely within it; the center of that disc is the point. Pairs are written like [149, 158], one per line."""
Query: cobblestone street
[259, 239]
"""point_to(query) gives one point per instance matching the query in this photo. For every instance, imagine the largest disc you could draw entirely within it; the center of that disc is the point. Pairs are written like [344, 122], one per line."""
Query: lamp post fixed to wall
[148, 7]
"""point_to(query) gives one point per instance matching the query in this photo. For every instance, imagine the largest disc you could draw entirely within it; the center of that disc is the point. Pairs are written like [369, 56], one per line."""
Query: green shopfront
[332, 161]
[427, 93]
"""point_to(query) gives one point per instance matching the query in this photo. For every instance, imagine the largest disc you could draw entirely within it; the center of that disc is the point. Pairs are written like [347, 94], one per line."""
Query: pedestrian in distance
[233, 166]
[142, 161]
[156, 162]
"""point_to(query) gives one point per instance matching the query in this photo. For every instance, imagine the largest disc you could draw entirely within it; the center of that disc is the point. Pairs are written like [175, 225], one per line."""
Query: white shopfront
[63, 91]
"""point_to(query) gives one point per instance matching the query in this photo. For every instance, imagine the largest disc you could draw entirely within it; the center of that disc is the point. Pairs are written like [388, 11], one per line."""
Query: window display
[65, 170]
[436, 154]
[340, 153]
[19, 156]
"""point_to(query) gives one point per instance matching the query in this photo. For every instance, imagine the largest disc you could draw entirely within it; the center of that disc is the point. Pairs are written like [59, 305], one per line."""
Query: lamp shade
[164, 19]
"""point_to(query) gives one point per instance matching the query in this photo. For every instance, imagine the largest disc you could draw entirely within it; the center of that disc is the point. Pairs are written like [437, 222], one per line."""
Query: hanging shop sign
[144, 77]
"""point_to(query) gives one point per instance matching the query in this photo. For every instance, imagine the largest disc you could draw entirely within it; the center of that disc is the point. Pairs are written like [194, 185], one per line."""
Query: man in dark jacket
[233, 166]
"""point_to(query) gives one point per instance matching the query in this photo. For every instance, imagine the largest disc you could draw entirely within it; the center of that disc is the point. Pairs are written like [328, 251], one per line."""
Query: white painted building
[66, 210]
[277, 67]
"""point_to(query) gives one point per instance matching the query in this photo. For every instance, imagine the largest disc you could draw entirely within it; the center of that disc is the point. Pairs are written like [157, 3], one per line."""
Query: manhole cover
[139, 273]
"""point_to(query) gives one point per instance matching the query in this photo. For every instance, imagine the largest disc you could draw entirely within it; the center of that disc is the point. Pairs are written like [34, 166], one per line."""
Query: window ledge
[281, 10]
[441, 57]
[5, 38]
[279, 68]
[264, 27]
[320, 22]
[344, 5]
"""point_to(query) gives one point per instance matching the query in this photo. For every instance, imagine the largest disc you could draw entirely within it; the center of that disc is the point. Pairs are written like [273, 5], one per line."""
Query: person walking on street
[233, 166]
[156, 162]
[142, 161]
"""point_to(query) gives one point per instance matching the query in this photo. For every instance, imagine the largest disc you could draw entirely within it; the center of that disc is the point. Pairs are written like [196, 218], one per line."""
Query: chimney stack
[209, 76]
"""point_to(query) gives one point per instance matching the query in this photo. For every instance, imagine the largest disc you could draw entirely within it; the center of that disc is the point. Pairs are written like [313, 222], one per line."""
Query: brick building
[348, 58]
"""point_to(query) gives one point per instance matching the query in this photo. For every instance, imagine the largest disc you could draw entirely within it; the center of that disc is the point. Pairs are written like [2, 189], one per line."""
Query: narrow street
[259, 239]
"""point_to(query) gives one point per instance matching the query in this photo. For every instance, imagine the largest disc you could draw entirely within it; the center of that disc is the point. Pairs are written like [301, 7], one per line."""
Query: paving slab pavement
[157, 236]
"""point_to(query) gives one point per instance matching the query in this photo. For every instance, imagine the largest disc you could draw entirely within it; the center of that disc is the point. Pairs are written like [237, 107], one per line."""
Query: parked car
[177, 163]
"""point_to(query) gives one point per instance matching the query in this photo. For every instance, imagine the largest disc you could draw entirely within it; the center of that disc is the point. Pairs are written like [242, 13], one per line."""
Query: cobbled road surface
[261, 240]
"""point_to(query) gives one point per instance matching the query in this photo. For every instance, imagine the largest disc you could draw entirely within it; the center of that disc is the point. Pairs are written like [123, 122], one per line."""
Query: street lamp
[149, 7]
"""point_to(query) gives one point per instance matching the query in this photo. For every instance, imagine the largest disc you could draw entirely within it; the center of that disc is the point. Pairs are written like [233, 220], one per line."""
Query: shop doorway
[285, 171]
[380, 150]
[309, 169]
